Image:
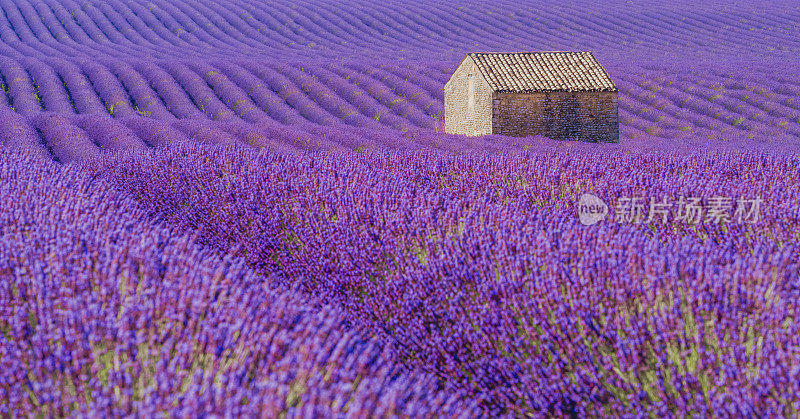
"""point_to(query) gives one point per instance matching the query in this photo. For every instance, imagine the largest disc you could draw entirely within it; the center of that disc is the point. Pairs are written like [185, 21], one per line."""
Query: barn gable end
[468, 101]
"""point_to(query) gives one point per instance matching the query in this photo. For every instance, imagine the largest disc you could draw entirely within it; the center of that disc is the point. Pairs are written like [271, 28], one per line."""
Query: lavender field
[251, 209]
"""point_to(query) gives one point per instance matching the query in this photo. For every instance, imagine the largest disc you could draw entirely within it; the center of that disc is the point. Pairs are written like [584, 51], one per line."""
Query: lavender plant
[104, 312]
[475, 268]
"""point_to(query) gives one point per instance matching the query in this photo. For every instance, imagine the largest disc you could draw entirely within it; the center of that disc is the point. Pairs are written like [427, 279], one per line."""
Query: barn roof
[542, 71]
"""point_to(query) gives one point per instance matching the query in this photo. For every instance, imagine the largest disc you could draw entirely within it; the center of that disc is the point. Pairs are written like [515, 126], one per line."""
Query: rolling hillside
[317, 75]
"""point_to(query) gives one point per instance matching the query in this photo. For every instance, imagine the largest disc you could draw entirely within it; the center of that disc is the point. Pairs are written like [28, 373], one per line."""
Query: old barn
[561, 95]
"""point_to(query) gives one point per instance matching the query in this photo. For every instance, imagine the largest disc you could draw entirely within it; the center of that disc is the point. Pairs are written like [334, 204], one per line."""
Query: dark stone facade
[586, 116]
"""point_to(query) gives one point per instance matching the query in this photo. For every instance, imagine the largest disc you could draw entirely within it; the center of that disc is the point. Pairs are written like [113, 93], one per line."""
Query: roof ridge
[523, 71]
[528, 52]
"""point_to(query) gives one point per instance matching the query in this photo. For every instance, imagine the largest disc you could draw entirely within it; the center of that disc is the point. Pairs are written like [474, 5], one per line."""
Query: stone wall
[587, 116]
[467, 101]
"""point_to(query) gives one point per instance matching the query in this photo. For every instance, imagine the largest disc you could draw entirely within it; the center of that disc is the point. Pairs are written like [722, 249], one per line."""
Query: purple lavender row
[476, 268]
[103, 312]
[332, 96]
[176, 99]
[202, 95]
[49, 87]
[79, 87]
[148, 102]
[16, 133]
[357, 29]
[654, 105]
[261, 94]
[16, 130]
[372, 99]
[21, 94]
[234, 97]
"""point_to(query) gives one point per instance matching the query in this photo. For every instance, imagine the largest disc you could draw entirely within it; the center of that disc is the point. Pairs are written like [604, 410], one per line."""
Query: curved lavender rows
[291, 94]
[433, 88]
[273, 26]
[355, 109]
[106, 30]
[490, 283]
[191, 24]
[336, 102]
[67, 137]
[409, 92]
[21, 94]
[106, 313]
[16, 133]
[161, 26]
[80, 90]
[311, 89]
[237, 31]
[360, 96]
[199, 91]
[635, 102]
[50, 87]
[116, 99]
[95, 36]
[771, 100]
[148, 102]
[692, 103]
[266, 99]
[57, 12]
[217, 18]
[667, 96]
[155, 133]
[386, 104]
[67, 142]
[332, 29]
[492, 36]
[424, 75]
[110, 135]
[332, 19]
[726, 105]
[177, 100]
[231, 95]
[363, 23]
[30, 16]
[17, 22]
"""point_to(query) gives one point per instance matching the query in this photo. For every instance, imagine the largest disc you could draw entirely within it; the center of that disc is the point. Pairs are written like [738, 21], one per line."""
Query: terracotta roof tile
[540, 71]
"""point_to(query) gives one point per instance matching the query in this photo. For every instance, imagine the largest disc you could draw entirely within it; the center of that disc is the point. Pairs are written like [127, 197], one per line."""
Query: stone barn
[561, 95]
